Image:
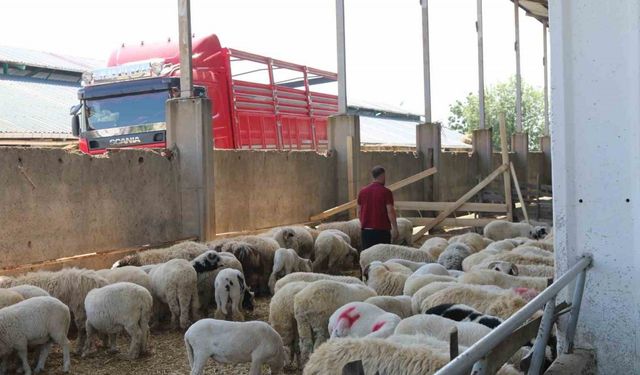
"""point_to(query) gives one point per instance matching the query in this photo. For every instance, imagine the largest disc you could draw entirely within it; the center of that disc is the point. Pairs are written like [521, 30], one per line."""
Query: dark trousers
[372, 237]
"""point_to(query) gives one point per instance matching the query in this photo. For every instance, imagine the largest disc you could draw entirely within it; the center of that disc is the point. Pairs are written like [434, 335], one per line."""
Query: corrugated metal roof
[37, 107]
[403, 133]
[48, 60]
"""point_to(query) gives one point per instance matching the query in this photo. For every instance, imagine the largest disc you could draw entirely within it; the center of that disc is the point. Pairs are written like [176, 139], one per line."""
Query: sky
[384, 44]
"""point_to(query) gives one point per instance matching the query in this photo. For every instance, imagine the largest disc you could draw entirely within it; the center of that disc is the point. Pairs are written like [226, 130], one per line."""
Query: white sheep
[399, 305]
[431, 269]
[384, 252]
[34, 321]
[456, 273]
[532, 251]
[434, 246]
[452, 257]
[397, 267]
[487, 299]
[413, 266]
[499, 266]
[69, 285]
[531, 269]
[311, 277]
[9, 297]
[503, 245]
[130, 274]
[543, 244]
[405, 232]
[351, 228]
[287, 261]
[116, 307]
[314, 305]
[426, 291]
[383, 280]
[207, 266]
[503, 280]
[175, 283]
[480, 257]
[234, 342]
[361, 319]
[185, 250]
[29, 291]
[282, 319]
[440, 328]
[475, 241]
[415, 283]
[519, 259]
[297, 238]
[332, 252]
[232, 291]
[501, 229]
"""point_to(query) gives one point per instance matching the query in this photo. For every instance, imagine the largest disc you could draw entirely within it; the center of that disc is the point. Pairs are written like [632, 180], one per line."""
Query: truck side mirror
[75, 125]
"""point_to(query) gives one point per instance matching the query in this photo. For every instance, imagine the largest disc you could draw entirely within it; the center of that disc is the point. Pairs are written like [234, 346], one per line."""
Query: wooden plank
[351, 184]
[505, 161]
[441, 206]
[515, 182]
[454, 206]
[451, 222]
[393, 187]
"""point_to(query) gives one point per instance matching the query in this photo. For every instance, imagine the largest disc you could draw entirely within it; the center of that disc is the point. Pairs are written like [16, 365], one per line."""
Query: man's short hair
[377, 171]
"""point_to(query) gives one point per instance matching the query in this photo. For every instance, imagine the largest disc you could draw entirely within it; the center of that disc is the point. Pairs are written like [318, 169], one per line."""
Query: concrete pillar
[190, 138]
[483, 146]
[545, 147]
[344, 135]
[428, 143]
[596, 158]
[520, 149]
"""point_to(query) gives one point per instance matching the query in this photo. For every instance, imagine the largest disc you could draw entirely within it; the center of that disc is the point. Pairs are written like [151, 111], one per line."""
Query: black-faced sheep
[119, 306]
[232, 292]
[314, 305]
[35, 321]
[464, 313]
[287, 261]
[234, 342]
[208, 265]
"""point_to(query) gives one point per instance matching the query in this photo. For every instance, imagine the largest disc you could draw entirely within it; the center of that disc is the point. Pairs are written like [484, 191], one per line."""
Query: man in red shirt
[376, 211]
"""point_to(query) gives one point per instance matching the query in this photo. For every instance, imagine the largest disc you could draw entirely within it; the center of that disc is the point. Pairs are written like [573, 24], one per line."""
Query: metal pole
[342, 55]
[426, 63]
[575, 310]
[543, 337]
[480, 67]
[546, 79]
[184, 21]
[516, 5]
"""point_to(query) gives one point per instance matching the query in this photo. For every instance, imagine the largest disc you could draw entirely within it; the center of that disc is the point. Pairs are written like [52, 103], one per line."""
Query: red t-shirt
[373, 200]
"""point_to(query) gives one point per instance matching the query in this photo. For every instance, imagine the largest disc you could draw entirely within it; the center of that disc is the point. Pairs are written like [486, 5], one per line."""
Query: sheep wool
[399, 305]
[413, 266]
[503, 280]
[384, 252]
[287, 261]
[434, 246]
[297, 238]
[332, 252]
[440, 328]
[501, 230]
[426, 291]
[130, 274]
[311, 277]
[119, 306]
[383, 280]
[8, 298]
[185, 250]
[405, 232]
[475, 241]
[175, 283]
[452, 257]
[29, 291]
[351, 228]
[361, 319]
[314, 305]
[282, 319]
[415, 283]
[232, 291]
[487, 299]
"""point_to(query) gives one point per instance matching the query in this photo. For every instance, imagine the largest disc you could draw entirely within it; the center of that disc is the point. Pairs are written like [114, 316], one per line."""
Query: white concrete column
[481, 125]
[595, 117]
[342, 58]
[545, 65]
[516, 5]
[426, 63]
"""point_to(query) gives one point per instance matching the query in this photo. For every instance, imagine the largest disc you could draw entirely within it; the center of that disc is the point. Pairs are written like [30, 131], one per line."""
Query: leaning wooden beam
[441, 206]
[393, 187]
[451, 222]
[505, 161]
[517, 185]
[454, 206]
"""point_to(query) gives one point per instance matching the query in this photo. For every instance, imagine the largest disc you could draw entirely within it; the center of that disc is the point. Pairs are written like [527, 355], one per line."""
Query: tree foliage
[499, 98]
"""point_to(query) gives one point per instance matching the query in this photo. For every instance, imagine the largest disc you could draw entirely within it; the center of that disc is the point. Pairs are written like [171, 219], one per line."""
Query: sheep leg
[317, 264]
[3, 366]
[332, 268]
[195, 305]
[174, 307]
[87, 344]
[199, 361]
[306, 341]
[144, 327]
[22, 354]
[42, 358]
[62, 340]
[236, 314]
[255, 367]
[135, 333]
[82, 333]
[184, 300]
[113, 348]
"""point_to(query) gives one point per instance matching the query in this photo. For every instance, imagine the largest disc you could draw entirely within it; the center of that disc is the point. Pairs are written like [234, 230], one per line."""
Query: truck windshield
[126, 110]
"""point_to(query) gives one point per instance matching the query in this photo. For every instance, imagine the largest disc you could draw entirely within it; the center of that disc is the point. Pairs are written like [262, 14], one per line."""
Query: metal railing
[475, 357]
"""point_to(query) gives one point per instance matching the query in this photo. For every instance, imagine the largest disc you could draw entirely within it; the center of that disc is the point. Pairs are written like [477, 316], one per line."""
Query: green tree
[501, 97]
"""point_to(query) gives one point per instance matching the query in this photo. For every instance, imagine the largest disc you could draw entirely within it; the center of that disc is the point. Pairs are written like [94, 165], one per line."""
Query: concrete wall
[399, 165]
[535, 166]
[58, 204]
[259, 189]
[458, 174]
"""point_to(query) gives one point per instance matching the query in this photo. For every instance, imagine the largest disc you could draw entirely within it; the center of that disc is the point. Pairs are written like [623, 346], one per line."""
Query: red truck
[265, 104]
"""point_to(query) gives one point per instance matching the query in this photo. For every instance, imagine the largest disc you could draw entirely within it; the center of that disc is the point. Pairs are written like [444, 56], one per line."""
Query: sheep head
[129, 260]
[504, 267]
[538, 232]
[208, 261]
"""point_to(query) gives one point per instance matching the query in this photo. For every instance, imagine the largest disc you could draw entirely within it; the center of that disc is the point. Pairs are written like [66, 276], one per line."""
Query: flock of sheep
[396, 318]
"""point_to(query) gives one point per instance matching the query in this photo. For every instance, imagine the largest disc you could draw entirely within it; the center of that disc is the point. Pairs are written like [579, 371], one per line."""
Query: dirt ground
[167, 356]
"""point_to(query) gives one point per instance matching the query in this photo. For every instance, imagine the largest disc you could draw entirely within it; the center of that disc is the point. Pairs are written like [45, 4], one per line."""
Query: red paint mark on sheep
[377, 326]
[351, 319]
